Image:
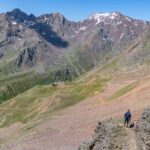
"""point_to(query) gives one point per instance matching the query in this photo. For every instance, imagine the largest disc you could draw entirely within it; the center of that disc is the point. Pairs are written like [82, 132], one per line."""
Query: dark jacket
[127, 116]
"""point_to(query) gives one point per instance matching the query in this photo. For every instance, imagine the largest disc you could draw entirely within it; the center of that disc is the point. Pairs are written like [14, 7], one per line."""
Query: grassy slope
[123, 91]
[43, 100]
[46, 99]
[16, 84]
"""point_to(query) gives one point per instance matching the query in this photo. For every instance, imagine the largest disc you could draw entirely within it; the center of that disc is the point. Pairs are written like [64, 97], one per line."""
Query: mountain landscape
[53, 42]
[58, 78]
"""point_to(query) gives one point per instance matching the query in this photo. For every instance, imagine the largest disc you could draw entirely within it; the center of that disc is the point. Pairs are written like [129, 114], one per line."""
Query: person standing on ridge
[127, 118]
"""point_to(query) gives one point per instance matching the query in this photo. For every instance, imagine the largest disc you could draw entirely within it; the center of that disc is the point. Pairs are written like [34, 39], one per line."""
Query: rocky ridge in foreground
[144, 130]
[111, 135]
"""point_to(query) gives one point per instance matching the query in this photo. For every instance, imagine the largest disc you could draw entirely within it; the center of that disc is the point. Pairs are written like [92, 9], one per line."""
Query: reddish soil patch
[73, 125]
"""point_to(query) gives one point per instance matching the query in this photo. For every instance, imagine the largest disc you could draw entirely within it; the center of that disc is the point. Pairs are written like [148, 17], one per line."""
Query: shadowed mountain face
[43, 29]
[51, 42]
[49, 35]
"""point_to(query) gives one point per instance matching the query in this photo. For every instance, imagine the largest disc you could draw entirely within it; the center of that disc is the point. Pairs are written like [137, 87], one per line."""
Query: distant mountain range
[48, 63]
[50, 42]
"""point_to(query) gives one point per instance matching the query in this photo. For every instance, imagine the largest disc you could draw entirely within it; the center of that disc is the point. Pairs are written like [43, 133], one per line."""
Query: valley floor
[70, 127]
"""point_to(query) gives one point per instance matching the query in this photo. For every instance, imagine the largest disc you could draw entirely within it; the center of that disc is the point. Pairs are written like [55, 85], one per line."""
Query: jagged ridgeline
[48, 48]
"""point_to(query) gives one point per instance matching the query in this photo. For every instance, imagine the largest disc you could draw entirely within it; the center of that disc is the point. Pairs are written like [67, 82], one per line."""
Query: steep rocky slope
[22, 47]
[51, 42]
[144, 130]
[108, 136]
[111, 135]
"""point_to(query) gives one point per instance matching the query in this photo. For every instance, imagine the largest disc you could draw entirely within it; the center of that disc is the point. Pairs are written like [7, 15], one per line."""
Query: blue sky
[80, 9]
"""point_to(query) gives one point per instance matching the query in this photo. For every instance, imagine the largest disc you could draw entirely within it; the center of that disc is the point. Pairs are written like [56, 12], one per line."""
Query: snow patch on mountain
[98, 15]
[101, 17]
[122, 35]
[43, 33]
[19, 39]
[83, 28]
[128, 19]
[120, 22]
[46, 19]
[14, 23]
[21, 27]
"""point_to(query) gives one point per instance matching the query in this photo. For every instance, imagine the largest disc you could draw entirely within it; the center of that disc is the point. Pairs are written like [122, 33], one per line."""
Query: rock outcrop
[144, 130]
[109, 135]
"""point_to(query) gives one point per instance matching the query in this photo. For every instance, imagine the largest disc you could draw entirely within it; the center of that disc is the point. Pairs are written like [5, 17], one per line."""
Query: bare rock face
[144, 130]
[27, 55]
[53, 42]
[108, 136]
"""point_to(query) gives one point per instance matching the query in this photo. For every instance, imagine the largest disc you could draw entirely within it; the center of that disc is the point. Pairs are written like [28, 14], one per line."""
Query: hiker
[127, 118]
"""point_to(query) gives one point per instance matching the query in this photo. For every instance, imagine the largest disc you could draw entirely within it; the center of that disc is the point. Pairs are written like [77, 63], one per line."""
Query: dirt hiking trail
[132, 139]
[74, 125]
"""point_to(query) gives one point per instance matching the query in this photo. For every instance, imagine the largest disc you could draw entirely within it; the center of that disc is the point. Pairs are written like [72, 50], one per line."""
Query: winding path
[72, 126]
[132, 139]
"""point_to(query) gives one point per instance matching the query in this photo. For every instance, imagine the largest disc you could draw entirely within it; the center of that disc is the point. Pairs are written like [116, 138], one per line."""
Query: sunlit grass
[123, 91]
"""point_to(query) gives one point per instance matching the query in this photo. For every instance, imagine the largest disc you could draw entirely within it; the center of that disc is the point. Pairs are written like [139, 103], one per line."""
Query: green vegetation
[11, 86]
[14, 85]
[46, 99]
[118, 137]
[123, 91]
[31, 96]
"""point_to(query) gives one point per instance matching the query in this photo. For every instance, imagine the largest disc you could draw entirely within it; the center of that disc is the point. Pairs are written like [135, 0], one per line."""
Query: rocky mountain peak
[18, 15]
[57, 15]
[31, 17]
[54, 17]
[102, 17]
